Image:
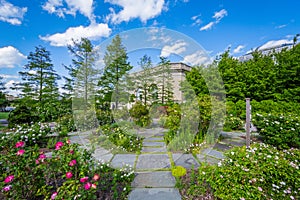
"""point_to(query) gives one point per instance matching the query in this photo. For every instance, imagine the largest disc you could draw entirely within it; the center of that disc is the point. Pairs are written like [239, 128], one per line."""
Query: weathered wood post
[248, 122]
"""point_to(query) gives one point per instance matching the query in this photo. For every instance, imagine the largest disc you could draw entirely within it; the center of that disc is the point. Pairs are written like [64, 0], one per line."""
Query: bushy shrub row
[260, 172]
[282, 131]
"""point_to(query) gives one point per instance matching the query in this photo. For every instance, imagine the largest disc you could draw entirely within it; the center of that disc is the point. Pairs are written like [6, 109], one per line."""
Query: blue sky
[216, 25]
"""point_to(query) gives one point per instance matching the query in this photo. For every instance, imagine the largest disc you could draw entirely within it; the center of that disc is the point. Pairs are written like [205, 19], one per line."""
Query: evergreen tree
[112, 81]
[165, 84]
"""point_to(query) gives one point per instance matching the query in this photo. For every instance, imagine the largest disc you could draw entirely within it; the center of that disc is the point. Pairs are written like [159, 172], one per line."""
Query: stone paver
[154, 150]
[185, 160]
[120, 160]
[154, 194]
[154, 179]
[154, 139]
[151, 144]
[153, 161]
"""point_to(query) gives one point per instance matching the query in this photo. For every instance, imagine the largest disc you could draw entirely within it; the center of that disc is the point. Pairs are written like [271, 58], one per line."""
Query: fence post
[248, 121]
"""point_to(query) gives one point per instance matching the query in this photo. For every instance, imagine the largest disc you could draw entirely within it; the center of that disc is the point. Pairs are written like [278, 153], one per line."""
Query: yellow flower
[178, 171]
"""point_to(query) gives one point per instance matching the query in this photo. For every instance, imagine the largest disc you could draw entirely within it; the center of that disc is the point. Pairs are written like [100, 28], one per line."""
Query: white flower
[232, 153]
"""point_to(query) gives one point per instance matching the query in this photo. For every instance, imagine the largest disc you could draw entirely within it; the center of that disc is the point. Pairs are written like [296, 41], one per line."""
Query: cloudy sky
[216, 25]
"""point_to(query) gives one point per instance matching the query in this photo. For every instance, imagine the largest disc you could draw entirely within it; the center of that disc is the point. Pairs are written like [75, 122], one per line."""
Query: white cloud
[197, 58]
[220, 15]
[274, 43]
[217, 16]
[10, 57]
[10, 13]
[85, 7]
[7, 76]
[176, 48]
[10, 84]
[196, 20]
[238, 49]
[92, 32]
[207, 26]
[131, 9]
[281, 26]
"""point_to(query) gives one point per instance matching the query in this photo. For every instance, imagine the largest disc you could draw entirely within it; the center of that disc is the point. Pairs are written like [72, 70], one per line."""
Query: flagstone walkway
[152, 166]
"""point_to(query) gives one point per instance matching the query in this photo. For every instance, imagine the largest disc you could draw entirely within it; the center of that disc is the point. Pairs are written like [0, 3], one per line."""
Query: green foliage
[140, 114]
[65, 124]
[22, 115]
[121, 137]
[69, 173]
[282, 131]
[261, 172]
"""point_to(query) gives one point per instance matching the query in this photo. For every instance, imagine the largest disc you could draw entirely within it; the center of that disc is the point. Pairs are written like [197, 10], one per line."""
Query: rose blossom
[42, 157]
[94, 186]
[84, 179]
[69, 174]
[7, 188]
[96, 177]
[87, 186]
[72, 163]
[9, 178]
[20, 152]
[54, 195]
[20, 144]
[58, 145]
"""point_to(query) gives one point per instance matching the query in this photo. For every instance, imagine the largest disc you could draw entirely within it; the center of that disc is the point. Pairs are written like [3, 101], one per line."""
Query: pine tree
[112, 81]
[165, 85]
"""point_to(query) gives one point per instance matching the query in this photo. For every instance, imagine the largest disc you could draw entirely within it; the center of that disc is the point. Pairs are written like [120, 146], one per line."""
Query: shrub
[261, 172]
[233, 123]
[140, 114]
[65, 124]
[279, 130]
[22, 115]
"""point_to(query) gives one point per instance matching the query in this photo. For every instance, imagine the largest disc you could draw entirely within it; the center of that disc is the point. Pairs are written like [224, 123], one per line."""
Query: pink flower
[7, 188]
[20, 144]
[58, 145]
[20, 152]
[96, 177]
[69, 174]
[87, 186]
[94, 186]
[259, 188]
[37, 161]
[71, 151]
[84, 179]
[72, 163]
[9, 178]
[42, 157]
[54, 195]
[68, 142]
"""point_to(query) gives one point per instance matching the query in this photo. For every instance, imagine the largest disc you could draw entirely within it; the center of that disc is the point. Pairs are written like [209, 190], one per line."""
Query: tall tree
[165, 80]
[116, 68]
[83, 74]
[3, 101]
[144, 80]
[39, 78]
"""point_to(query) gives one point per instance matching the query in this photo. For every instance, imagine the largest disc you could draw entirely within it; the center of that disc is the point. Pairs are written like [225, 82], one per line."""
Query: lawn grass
[4, 115]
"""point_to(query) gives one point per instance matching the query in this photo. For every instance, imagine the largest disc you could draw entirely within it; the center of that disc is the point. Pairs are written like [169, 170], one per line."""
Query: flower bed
[261, 172]
[69, 173]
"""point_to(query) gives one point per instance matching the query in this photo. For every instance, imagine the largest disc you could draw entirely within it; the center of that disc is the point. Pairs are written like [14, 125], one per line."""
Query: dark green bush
[22, 115]
[140, 114]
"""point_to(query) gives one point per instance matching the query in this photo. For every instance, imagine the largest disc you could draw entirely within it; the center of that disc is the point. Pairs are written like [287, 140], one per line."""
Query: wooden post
[248, 115]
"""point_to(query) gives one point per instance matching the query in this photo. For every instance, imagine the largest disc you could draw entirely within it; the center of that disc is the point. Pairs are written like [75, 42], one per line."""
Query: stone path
[152, 166]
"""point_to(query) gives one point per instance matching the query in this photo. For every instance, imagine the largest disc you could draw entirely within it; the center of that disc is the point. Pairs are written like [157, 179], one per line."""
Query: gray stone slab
[154, 179]
[154, 139]
[216, 154]
[153, 161]
[100, 152]
[185, 160]
[106, 158]
[153, 149]
[154, 194]
[222, 147]
[120, 160]
[151, 144]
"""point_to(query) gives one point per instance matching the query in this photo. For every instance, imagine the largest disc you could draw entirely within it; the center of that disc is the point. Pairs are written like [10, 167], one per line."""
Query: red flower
[69, 174]
[20, 152]
[58, 145]
[72, 163]
[96, 177]
[20, 144]
[84, 179]
[8, 179]
[87, 186]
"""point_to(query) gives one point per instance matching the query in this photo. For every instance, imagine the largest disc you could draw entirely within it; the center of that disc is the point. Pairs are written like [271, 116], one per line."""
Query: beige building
[177, 72]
